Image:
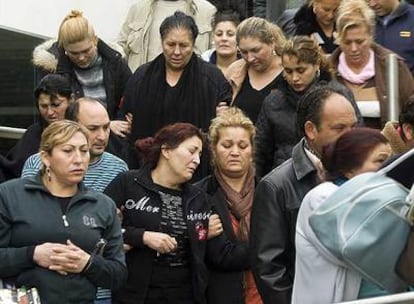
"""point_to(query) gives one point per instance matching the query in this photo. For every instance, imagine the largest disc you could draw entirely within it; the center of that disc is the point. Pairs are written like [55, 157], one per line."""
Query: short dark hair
[407, 114]
[227, 15]
[311, 106]
[179, 20]
[72, 111]
[171, 136]
[52, 85]
[350, 151]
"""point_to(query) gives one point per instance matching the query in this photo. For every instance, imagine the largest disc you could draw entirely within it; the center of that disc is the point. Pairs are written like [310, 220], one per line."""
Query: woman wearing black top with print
[166, 222]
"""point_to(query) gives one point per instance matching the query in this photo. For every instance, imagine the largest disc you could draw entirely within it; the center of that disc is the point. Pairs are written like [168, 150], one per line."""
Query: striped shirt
[99, 175]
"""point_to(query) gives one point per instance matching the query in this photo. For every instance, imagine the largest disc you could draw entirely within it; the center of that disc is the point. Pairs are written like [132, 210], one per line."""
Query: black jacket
[276, 128]
[276, 125]
[224, 287]
[130, 190]
[115, 73]
[30, 215]
[155, 104]
[273, 222]
[12, 164]
[306, 24]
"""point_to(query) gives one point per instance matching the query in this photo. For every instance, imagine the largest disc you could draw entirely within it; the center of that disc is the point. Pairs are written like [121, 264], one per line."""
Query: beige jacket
[235, 74]
[133, 36]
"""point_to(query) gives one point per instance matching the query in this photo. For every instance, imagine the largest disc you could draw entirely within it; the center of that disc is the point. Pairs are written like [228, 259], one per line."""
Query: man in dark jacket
[323, 115]
[394, 28]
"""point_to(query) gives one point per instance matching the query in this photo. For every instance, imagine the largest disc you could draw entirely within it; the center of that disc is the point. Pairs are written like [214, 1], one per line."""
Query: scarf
[367, 72]
[156, 104]
[239, 203]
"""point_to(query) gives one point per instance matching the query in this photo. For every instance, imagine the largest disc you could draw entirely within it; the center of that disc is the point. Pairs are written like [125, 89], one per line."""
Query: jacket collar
[143, 178]
[302, 165]
[34, 183]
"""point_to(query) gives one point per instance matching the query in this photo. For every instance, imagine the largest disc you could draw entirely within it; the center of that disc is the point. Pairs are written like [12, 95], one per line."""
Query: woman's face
[82, 53]
[257, 54]
[52, 108]
[177, 47]
[68, 162]
[233, 152]
[184, 160]
[374, 160]
[225, 39]
[325, 11]
[356, 44]
[299, 75]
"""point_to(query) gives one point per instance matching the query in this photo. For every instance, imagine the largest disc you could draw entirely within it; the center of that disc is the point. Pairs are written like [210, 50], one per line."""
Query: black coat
[276, 128]
[115, 76]
[155, 104]
[224, 287]
[276, 125]
[131, 188]
[273, 222]
[12, 164]
[306, 24]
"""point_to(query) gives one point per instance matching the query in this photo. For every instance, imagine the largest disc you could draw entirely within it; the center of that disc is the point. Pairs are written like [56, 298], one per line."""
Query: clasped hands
[62, 258]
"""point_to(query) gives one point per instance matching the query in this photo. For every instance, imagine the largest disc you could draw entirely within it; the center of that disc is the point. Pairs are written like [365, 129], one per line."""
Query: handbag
[364, 223]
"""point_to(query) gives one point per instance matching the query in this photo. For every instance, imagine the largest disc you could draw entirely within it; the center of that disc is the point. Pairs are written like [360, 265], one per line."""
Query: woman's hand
[120, 127]
[215, 227]
[68, 258]
[42, 254]
[160, 242]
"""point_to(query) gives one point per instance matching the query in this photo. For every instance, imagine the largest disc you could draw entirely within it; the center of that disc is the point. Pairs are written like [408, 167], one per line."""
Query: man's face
[338, 116]
[383, 7]
[95, 118]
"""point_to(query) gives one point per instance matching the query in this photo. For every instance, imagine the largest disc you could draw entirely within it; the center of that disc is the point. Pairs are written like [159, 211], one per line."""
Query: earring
[318, 73]
[274, 53]
[49, 177]
[66, 53]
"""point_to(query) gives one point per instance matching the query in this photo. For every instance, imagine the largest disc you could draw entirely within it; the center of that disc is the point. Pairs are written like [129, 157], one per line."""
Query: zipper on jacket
[65, 222]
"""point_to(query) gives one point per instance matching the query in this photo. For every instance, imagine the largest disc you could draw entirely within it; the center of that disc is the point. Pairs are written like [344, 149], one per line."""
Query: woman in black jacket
[94, 68]
[166, 222]
[317, 19]
[53, 95]
[304, 67]
[231, 188]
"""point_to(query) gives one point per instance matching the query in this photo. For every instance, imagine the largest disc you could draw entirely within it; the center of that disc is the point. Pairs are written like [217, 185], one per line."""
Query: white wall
[43, 17]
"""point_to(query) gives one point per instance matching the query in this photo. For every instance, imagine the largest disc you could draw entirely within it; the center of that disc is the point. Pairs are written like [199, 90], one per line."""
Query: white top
[320, 278]
[369, 108]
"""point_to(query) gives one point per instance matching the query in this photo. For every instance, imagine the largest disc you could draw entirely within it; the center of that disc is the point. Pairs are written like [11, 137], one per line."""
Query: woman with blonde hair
[256, 74]
[94, 68]
[231, 189]
[317, 20]
[360, 63]
[53, 231]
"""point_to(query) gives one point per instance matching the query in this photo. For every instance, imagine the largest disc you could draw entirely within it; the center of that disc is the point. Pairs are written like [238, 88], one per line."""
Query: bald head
[93, 115]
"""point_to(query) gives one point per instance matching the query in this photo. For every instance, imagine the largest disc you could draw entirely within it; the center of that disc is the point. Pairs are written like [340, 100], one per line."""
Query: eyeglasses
[85, 52]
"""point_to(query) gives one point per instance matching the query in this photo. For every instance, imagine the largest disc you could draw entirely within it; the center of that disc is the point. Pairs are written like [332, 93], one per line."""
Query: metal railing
[12, 133]
[400, 298]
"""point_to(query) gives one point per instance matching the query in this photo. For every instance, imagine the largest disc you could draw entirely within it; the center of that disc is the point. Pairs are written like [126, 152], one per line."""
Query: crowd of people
[181, 163]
